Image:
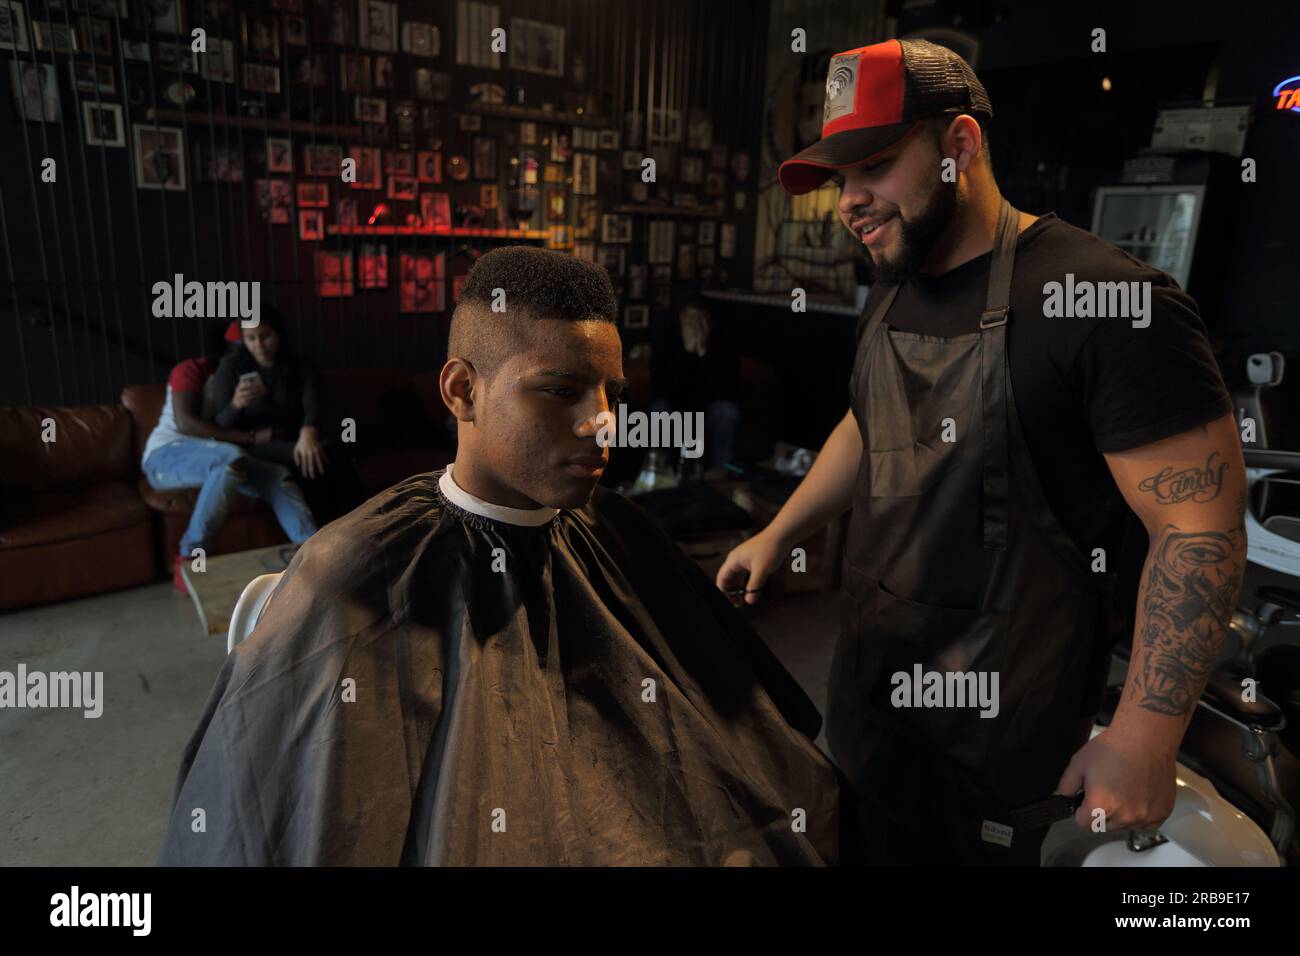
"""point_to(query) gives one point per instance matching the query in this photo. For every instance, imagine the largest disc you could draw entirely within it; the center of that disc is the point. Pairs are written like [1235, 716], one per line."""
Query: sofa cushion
[91, 443]
[145, 403]
[53, 516]
[88, 564]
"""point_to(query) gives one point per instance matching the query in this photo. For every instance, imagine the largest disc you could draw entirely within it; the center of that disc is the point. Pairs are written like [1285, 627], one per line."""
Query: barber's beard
[917, 236]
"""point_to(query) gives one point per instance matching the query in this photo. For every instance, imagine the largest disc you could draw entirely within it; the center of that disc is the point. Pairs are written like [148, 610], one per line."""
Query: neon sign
[1288, 94]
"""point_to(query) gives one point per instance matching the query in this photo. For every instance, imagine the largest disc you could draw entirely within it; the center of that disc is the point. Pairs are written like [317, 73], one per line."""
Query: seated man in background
[186, 450]
[695, 369]
[500, 662]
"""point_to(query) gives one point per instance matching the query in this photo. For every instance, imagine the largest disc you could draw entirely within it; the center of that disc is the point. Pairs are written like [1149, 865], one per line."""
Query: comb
[1057, 807]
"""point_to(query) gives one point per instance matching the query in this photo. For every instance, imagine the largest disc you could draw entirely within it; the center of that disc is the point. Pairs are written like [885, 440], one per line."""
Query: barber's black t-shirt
[1083, 386]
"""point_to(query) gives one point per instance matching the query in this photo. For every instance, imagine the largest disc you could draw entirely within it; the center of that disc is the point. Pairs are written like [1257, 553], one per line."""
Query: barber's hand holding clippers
[748, 566]
[1130, 778]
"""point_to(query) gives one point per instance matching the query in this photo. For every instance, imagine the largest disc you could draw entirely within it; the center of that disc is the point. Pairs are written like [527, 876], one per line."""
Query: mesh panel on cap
[938, 80]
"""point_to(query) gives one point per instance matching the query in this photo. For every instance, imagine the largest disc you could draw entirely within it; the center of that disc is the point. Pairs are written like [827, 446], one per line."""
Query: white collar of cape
[527, 517]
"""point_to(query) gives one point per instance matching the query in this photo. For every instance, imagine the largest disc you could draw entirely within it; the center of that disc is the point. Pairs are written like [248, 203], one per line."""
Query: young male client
[503, 663]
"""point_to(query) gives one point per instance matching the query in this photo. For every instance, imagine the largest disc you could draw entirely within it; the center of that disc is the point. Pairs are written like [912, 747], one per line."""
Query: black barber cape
[430, 686]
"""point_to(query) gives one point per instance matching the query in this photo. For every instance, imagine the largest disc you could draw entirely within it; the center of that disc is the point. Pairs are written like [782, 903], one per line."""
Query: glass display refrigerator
[1155, 223]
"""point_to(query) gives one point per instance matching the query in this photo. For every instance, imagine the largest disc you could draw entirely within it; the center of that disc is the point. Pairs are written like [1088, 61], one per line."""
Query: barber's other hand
[1126, 776]
[308, 454]
[748, 566]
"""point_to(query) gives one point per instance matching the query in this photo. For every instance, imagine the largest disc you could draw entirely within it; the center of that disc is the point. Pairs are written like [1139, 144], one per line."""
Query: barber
[992, 458]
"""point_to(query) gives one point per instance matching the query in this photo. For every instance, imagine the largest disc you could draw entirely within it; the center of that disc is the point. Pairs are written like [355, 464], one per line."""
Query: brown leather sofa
[399, 432]
[71, 520]
[77, 517]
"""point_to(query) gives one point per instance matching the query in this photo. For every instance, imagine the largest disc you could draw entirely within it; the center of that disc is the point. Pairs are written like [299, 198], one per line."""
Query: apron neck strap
[997, 303]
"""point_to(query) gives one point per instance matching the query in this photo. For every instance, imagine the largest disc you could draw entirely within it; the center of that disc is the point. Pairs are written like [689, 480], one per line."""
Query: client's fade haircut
[537, 284]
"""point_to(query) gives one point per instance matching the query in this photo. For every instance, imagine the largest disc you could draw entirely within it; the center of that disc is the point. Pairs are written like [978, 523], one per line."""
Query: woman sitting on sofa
[264, 384]
[186, 450]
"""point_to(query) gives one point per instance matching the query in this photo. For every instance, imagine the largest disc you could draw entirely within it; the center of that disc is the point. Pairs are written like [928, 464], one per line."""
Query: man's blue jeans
[207, 464]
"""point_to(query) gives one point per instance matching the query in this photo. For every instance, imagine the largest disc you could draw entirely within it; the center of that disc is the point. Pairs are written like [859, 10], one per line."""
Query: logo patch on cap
[841, 85]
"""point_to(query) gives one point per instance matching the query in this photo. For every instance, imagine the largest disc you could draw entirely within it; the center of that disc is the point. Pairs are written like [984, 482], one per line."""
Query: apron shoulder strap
[866, 328]
[995, 373]
[867, 324]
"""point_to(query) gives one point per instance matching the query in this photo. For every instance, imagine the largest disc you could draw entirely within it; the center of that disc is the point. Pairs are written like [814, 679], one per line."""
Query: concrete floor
[96, 792]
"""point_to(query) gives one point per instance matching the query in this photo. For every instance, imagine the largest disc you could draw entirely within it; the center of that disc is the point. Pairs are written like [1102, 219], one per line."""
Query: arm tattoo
[1191, 591]
[1194, 484]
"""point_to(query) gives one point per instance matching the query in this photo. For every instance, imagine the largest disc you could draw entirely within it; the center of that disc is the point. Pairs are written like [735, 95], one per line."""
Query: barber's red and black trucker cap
[874, 97]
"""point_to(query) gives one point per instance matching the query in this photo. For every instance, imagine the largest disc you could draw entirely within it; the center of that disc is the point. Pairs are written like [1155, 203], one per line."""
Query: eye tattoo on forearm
[1194, 484]
[1191, 592]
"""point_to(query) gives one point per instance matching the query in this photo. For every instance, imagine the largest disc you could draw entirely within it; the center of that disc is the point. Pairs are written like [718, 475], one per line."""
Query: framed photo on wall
[612, 260]
[159, 157]
[219, 164]
[536, 47]
[279, 154]
[556, 205]
[219, 62]
[318, 160]
[435, 210]
[173, 57]
[313, 196]
[420, 39]
[95, 34]
[56, 37]
[311, 225]
[399, 162]
[274, 200]
[103, 123]
[378, 20]
[370, 109]
[354, 72]
[345, 214]
[383, 72]
[662, 236]
[615, 228]
[332, 22]
[636, 277]
[485, 158]
[295, 31]
[309, 69]
[402, 187]
[92, 77]
[168, 17]
[261, 77]
[333, 274]
[428, 166]
[423, 285]
[13, 27]
[369, 167]
[636, 316]
[260, 35]
[584, 174]
[373, 265]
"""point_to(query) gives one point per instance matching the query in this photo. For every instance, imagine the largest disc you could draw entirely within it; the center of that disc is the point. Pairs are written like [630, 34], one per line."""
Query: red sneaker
[178, 579]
